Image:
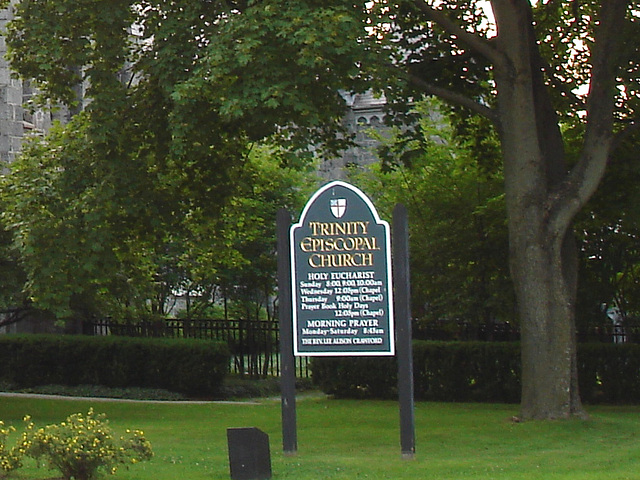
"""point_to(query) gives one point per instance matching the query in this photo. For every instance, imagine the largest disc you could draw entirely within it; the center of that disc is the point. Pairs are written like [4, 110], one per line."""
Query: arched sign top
[334, 189]
[341, 276]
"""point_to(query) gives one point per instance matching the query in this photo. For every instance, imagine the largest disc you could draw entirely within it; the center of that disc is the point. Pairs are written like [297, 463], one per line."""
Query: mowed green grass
[341, 439]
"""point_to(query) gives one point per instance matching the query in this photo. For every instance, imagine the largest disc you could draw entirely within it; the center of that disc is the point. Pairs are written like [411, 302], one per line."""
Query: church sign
[341, 275]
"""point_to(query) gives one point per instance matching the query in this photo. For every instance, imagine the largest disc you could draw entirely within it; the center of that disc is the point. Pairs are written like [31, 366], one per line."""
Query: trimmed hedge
[194, 367]
[356, 377]
[609, 373]
[478, 372]
[467, 371]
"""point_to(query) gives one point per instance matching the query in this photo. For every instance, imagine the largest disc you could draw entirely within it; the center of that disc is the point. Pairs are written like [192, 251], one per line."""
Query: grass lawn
[360, 440]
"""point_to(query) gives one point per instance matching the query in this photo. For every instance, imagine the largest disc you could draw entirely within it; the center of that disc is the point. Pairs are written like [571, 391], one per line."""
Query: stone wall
[16, 122]
[11, 111]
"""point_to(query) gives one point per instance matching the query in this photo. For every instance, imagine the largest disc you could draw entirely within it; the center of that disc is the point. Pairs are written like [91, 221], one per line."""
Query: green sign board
[341, 275]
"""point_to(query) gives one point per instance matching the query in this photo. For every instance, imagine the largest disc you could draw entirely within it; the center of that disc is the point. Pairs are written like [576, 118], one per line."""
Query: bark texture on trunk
[545, 273]
[543, 255]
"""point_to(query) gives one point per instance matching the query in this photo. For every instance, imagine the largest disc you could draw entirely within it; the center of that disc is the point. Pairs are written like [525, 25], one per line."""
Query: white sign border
[294, 290]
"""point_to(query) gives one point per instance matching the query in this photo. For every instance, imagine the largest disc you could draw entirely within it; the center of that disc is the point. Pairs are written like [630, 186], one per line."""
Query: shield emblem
[338, 207]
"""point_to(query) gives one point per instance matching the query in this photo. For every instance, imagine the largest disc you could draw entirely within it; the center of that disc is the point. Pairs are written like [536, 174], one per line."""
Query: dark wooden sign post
[287, 364]
[402, 288]
[337, 293]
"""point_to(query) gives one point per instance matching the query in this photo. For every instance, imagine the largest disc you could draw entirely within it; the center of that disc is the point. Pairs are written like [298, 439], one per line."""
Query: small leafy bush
[83, 445]
[80, 447]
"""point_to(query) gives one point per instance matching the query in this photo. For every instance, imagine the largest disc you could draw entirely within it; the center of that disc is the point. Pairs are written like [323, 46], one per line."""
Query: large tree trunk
[542, 252]
[544, 272]
[543, 196]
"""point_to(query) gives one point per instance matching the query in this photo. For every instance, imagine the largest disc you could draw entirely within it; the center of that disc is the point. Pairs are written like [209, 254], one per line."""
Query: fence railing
[254, 344]
[505, 332]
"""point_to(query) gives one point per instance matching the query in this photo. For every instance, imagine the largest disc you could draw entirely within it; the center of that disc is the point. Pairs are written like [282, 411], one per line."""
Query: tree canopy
[609, 232]
[102, 235]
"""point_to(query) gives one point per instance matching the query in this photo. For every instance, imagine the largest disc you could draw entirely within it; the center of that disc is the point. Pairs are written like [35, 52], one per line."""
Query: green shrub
[467, 371]
[190, 366]
[82, 446]
[356, 377]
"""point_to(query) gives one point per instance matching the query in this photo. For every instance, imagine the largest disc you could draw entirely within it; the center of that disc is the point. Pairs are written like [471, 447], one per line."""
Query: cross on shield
[338, 207]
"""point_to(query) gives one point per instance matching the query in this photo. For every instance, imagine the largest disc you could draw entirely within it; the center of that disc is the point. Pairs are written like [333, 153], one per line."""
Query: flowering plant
[10, 458]
[82, 445]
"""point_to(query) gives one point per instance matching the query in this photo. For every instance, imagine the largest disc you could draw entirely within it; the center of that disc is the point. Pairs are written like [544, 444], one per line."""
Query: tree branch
[454, 97]
[599, 139]
[473, 41]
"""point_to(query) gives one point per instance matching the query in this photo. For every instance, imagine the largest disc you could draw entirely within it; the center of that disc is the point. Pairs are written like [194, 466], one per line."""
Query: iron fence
[506, 332]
